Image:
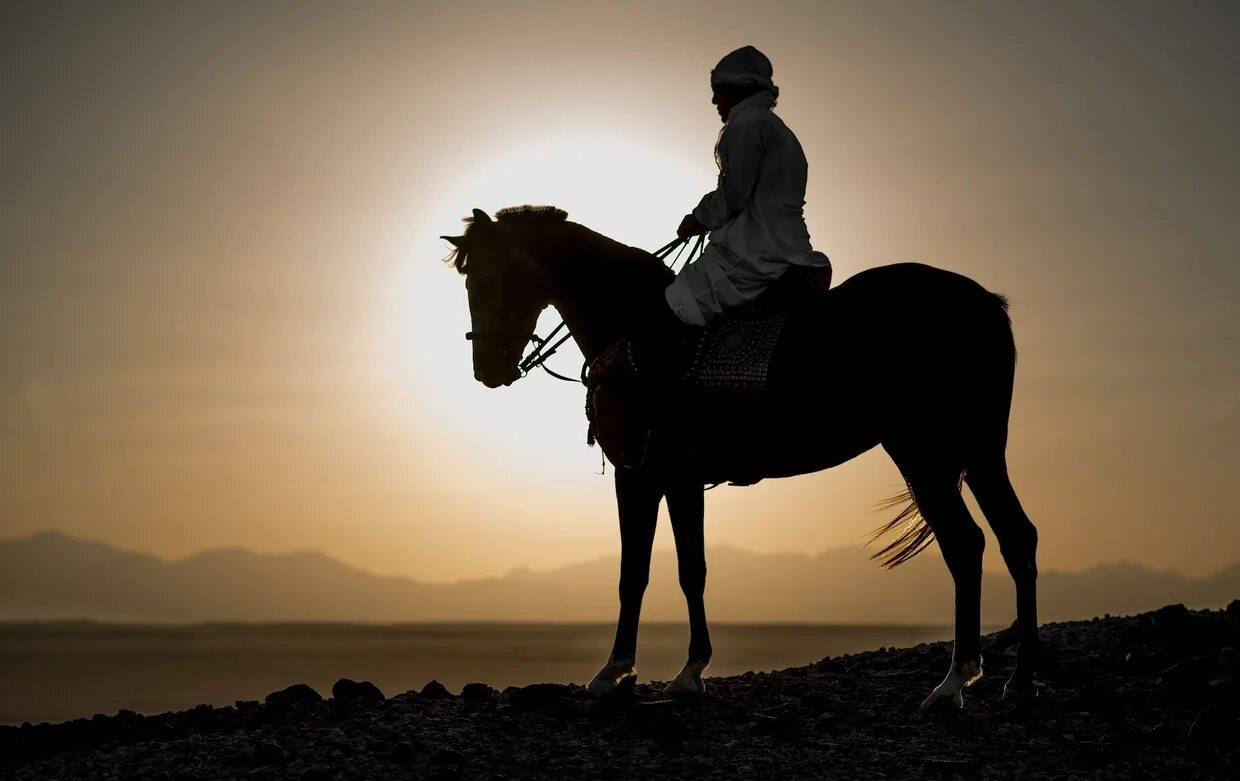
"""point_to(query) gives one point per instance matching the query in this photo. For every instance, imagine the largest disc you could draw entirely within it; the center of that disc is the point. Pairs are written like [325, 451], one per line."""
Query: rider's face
[724, 98]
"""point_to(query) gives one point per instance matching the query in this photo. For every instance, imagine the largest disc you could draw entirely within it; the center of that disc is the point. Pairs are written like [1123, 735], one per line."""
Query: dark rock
[616, 702]
[508, 726]
[1216, 724]
[830, 667]
[298, 695]
[267, 752]
[1006, 639]
[660, 723]
[526, 697]
[1172, 623]
[403, 753]
[478, 692]
[1160, 733]
[1103, 715]
[236, 758]
[446, 756]
[783, 724]
[1231, 617]
[1229, 661]
[551, 699]
[435, 691]
[831, 724]
[347, 690]
[1188, 678]
[816, 702]
[952, 767]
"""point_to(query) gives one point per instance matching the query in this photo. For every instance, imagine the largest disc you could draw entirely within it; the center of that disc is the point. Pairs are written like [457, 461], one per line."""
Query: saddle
[727, 364]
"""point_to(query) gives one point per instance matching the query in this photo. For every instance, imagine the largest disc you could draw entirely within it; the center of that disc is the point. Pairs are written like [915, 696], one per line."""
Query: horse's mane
[459, 258]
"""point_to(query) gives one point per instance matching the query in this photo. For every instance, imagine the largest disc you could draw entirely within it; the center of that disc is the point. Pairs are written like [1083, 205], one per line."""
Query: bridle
[537, 357]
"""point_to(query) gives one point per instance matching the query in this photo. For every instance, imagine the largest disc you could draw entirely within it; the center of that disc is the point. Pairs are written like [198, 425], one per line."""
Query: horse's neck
[601, 287]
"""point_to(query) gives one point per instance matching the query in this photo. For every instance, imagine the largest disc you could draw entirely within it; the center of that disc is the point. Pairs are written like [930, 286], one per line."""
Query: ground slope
[1141, 697]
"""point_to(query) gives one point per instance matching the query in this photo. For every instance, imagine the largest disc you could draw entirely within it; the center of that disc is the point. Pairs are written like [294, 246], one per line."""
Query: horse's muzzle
[510, 376]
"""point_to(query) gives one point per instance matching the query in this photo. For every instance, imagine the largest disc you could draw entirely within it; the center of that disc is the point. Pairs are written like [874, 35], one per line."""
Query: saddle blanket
[733, 357]
[730, 364]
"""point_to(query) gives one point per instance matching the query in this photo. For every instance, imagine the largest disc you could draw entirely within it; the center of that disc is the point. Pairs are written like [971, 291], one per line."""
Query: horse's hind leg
[637, 499]
[1018, 541]
[962, 543]
[684, 505]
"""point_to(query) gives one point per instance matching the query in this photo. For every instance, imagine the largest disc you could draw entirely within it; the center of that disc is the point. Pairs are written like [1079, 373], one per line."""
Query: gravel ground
[1140, 697]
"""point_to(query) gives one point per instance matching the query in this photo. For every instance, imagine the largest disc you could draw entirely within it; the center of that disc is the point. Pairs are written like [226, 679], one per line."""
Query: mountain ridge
[55, 576]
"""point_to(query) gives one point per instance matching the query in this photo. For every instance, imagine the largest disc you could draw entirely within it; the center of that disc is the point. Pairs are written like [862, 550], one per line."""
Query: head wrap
[745, 67]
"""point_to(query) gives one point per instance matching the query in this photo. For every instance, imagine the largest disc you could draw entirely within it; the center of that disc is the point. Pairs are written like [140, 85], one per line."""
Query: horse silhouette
[914, 358]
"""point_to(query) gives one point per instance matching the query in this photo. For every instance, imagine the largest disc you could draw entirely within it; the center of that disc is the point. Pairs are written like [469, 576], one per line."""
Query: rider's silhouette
[755, 214]
[757, 231]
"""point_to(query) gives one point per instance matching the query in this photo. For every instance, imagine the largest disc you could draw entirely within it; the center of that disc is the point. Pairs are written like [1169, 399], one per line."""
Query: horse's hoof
[610, 676]
[958, 677]
[605, 684]
[941, 698]
[689, 681]
[1020, 691]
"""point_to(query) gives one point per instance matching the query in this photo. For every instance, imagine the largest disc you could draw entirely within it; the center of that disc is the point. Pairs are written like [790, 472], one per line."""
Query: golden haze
[225, 324]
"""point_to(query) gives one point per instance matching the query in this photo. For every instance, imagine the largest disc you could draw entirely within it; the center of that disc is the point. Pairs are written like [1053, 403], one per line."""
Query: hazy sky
[224, 320]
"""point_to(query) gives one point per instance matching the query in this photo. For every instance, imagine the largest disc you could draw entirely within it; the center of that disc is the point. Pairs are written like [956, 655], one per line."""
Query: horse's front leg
[685, 505]
[637, 499]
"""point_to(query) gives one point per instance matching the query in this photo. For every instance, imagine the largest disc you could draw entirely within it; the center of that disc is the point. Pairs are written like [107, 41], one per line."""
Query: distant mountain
[54, 576]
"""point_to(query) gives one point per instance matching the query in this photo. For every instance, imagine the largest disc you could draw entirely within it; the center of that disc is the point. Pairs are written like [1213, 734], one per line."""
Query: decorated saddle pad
[730, 362]
[733, 357]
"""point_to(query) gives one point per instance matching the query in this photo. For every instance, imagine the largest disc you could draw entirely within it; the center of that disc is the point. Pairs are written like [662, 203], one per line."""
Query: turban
[745, 67]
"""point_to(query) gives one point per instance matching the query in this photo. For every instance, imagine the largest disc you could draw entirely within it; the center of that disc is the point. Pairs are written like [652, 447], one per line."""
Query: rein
[537, 357]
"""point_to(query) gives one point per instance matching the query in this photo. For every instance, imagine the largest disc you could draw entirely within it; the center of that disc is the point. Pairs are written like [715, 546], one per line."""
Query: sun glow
[620, 187]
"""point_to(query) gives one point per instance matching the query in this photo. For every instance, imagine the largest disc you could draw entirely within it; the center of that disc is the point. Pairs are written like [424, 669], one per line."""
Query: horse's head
[507, 291]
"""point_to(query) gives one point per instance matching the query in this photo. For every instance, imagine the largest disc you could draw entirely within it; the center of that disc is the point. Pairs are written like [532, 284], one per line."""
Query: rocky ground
[1143, 697]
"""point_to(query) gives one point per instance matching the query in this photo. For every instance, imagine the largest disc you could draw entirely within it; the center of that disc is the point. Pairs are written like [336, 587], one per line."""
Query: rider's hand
[689, 226]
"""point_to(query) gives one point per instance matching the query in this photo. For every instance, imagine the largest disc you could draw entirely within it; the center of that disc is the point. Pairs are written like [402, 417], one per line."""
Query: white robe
[756, 216]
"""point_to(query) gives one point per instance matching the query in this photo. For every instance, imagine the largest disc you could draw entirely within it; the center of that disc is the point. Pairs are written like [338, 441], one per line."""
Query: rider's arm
[740, 150]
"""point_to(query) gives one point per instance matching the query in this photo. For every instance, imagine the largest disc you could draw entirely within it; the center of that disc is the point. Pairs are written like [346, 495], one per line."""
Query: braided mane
[549, 213]
[459, 258]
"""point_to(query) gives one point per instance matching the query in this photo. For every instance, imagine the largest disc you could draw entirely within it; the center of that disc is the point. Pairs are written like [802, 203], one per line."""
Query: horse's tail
[914, 533]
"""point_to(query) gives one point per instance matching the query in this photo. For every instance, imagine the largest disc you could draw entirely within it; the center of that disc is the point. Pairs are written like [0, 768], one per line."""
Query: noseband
[536, 357]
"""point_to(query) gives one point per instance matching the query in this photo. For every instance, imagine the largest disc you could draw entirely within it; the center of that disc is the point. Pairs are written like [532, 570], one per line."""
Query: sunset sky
[224, 320]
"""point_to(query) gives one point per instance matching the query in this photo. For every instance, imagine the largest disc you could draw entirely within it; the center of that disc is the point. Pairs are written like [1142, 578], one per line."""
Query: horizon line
[527, 569]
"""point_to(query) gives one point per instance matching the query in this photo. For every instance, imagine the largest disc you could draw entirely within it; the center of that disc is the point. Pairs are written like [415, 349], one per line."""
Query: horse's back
[896, 353]
[894, 318]
[904, 340]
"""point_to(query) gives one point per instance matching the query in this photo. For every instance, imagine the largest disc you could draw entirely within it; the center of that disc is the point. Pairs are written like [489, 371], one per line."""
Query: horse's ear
[455, 241]
[481, 216]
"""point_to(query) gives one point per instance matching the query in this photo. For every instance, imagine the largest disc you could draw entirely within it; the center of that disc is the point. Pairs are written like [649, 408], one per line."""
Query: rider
[756, 223]
[755, 214]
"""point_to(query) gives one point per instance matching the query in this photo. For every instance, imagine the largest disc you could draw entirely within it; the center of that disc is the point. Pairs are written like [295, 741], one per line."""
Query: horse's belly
[771, 441]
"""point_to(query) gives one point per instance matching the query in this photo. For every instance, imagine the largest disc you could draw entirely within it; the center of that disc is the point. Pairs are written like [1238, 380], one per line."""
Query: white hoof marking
[610, 676]
[958, 677]
[689, 681]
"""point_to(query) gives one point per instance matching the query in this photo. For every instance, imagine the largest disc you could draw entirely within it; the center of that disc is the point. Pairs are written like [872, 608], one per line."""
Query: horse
[914, 358]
